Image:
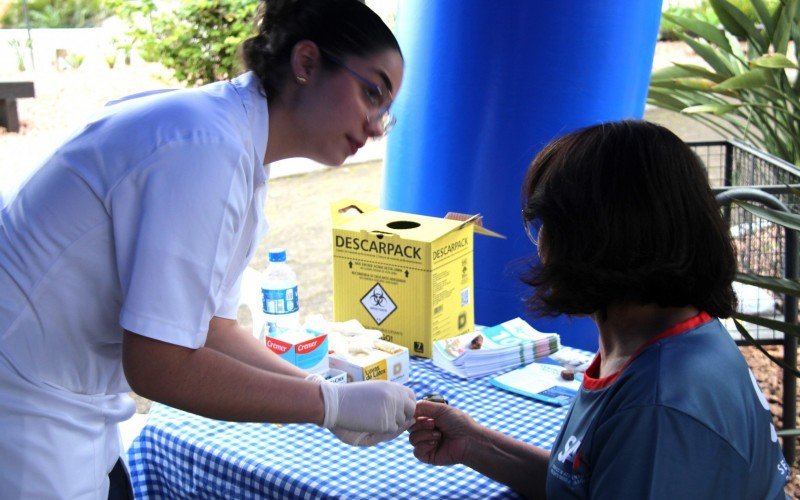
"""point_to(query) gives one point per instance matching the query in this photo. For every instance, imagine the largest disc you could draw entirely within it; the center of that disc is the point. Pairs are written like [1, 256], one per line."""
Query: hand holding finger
[424, 436]
[422, 423]
[430, 409]
[426, 452]
[355, 438]
[375, 406]
[441, 434]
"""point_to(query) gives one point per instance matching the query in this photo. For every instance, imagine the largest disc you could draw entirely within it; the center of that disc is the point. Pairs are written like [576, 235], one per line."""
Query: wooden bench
[9, 93]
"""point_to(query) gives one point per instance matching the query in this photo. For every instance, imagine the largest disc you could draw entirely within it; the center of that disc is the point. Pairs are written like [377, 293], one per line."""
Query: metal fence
[760, 245]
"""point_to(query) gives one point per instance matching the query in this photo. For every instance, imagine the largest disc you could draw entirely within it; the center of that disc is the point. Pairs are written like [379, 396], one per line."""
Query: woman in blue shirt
[629, 234]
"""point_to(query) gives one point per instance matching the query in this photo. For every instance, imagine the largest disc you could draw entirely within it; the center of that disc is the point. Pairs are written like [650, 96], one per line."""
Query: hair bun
[342, 27]
[274, 11]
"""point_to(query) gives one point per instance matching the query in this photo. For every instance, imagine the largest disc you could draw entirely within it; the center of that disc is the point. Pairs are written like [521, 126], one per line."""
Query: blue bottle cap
[277, 255]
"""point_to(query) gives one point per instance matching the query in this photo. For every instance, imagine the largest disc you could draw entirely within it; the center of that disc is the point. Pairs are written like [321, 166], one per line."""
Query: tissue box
[302, 348]
[335, 376]
[380, 361]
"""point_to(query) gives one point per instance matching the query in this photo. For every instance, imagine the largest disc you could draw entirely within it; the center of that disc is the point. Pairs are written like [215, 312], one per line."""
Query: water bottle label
[279, 301]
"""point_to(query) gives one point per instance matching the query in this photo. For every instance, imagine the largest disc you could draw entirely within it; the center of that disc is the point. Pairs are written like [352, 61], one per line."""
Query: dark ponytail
[339, 27]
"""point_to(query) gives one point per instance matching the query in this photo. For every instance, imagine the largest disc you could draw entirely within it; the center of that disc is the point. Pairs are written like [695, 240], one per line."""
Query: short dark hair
[340, 28]
[627, 216]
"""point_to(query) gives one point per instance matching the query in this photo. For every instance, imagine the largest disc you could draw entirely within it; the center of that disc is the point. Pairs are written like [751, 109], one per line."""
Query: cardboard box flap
[353, 215]
[476, 220]
[348, 208]
[411, 227]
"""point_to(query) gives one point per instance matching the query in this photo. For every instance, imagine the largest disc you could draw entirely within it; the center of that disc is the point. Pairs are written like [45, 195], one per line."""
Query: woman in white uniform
[120, 258]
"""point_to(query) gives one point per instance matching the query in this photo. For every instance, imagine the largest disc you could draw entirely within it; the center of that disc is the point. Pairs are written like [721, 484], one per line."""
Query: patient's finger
[426, 451]
[429, 409]
[423, 423]
[422, 436]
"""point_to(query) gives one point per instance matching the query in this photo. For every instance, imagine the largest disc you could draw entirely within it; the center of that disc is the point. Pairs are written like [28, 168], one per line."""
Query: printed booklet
[492, 349]
[541, 381]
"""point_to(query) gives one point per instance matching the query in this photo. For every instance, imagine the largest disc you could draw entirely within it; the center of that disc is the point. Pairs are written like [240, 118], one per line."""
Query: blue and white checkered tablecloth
[180, 455]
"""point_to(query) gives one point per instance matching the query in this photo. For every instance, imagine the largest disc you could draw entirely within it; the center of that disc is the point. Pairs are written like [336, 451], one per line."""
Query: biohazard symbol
[377, 297]
[378, 303]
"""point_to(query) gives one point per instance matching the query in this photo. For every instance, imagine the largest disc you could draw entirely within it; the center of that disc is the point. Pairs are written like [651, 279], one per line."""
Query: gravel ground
[297, 206]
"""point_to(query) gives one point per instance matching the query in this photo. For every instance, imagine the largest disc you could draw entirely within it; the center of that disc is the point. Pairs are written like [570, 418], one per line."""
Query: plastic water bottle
[279, 294]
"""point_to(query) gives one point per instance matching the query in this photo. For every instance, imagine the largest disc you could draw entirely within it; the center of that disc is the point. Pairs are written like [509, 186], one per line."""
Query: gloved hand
[356, 438]
[383, 409]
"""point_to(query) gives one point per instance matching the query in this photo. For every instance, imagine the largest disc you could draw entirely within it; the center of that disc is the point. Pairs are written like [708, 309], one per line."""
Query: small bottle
[279, 294]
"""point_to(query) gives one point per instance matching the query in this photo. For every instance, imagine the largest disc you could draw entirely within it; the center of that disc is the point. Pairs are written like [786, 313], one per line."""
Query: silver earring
[301, 79]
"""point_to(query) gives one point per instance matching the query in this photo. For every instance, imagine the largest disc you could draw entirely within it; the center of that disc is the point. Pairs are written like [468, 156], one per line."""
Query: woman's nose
[373, 127]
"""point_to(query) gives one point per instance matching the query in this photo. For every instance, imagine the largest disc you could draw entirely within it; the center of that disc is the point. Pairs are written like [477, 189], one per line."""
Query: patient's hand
[441, 434]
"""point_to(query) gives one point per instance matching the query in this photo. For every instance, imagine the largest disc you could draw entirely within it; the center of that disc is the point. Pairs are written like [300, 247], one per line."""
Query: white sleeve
[175, 222]
[229, 305]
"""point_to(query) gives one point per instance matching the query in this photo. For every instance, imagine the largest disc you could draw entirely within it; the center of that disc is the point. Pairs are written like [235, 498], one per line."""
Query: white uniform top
[143, 220]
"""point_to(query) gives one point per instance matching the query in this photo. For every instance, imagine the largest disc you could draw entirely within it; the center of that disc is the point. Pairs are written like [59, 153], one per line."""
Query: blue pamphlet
[541, 381]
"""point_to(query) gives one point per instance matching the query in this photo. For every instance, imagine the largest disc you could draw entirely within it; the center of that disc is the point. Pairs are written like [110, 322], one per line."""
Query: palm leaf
[785, 13]
[737, 22]
[744, 333]
[752, 79]
[692, 83]
[710, 55]
[773, 61]
[714, 109]
[676, 71]
[701, 28]
[778, 325]
[664, 99]
[695, 70]
[736, 49]
[785, 219]
[765, 16]
[694, 98]
[777, 285]
[728, 22]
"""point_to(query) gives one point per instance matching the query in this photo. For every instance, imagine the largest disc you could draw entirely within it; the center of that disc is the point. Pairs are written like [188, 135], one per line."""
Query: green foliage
[198, 40]
[775, 285]
[748, 86]
[749, 9]
[75, 60]
[56, 14]
[704, 11]
[19, 51]
[124, 45]
[110, 59]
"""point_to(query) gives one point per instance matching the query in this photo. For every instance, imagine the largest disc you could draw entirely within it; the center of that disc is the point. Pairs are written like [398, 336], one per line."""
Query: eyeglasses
[532, 225]
[379, 98]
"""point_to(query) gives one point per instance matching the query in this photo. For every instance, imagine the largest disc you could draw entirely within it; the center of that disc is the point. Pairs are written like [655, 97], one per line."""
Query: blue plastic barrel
[486, 85]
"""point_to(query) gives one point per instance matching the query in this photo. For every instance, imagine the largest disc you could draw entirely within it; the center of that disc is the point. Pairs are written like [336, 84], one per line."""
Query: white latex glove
[357, 438]
[379, 408]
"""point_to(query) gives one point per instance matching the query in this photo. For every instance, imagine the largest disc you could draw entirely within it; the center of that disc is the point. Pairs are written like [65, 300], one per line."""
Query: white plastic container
[279, 299]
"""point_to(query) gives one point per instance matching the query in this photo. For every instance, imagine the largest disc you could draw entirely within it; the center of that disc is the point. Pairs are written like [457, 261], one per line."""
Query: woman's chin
[333, 161]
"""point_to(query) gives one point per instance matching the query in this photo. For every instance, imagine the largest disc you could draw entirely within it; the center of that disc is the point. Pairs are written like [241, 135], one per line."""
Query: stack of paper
[507, 345]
